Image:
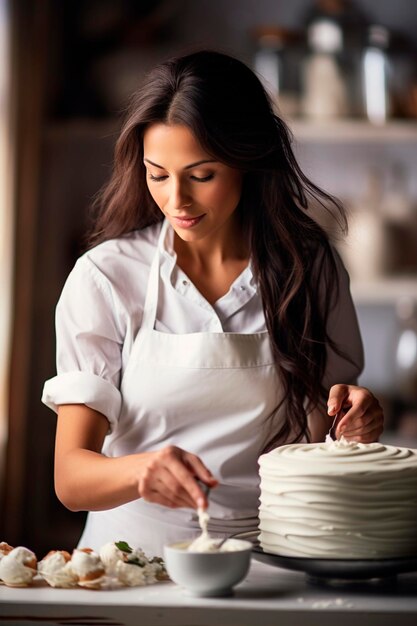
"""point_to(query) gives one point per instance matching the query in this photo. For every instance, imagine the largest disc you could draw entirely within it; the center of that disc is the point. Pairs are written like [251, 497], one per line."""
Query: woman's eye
[197, 179]
[202, 179]
[157, 179]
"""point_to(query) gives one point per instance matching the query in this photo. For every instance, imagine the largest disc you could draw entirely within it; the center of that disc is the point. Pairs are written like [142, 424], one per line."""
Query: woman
[210, 321]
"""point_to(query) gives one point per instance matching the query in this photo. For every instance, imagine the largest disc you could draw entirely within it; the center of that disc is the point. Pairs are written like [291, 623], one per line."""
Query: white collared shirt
[100, 310]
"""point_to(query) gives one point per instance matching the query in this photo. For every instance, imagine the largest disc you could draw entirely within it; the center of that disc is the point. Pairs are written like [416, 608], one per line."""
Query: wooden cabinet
[60, 166]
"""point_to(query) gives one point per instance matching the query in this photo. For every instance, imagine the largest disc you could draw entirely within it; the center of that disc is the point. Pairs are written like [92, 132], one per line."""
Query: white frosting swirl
[341, 500]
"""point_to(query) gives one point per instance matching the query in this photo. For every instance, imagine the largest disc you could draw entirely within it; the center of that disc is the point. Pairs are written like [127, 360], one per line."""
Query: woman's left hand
[361, 416]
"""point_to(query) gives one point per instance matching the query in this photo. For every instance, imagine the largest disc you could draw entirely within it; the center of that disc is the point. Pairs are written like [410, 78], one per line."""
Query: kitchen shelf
[387, 290]
[333, 131]
[353, 131]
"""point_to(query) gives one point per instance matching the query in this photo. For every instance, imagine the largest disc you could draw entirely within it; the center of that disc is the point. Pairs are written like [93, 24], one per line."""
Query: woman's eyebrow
[187, 167]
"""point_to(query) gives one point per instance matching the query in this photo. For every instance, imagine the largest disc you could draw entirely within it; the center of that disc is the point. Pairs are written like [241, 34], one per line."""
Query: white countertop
[268, 596]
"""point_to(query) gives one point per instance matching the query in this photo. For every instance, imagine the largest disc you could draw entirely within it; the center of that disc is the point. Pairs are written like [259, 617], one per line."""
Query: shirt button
[242, 288]
[185, 283]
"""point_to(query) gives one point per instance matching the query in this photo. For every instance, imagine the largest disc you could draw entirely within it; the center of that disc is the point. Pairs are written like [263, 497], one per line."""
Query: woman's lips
[187, 222]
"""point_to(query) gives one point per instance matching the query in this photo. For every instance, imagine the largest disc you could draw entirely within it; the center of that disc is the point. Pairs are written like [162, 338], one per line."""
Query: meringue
[111, 554]
[87, 566]
[56, 569]
[18, 567]
[5, 548]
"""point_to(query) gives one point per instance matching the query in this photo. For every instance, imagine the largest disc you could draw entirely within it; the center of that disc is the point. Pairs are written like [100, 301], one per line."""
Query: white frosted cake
[339, 500]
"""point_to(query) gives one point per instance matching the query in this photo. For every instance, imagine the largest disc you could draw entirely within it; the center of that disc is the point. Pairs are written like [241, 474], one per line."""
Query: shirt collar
[169, 256]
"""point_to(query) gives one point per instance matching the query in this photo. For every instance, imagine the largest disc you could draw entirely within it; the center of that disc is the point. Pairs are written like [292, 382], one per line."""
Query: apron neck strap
[152, 291]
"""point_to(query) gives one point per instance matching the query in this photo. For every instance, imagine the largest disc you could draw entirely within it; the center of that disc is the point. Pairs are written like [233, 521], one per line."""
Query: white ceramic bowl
[208, 573]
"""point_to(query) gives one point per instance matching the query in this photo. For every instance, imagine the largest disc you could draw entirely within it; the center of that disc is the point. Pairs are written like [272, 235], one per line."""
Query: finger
[186, 467]
[369, 437]
[156, 497]
[162, 481]
[175, 461]
[203, 474]
[337, 397]
[361, 428]
[160, 497]
[186, 478]
[164, 489]
[371, 420]
[174, 486]
[200, 470]
[356, 417]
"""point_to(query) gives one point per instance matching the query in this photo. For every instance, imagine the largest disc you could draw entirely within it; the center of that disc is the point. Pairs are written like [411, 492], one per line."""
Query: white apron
[211, 394]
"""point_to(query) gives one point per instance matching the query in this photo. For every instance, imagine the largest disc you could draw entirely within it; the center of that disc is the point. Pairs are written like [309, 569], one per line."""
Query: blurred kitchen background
[343, 75]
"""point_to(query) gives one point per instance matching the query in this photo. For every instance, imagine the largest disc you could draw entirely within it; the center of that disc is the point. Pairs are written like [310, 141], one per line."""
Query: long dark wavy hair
[226, 107]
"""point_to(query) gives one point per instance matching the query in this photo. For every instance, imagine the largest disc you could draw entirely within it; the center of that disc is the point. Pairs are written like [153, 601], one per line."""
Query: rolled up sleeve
[87, 389]
[89, 338]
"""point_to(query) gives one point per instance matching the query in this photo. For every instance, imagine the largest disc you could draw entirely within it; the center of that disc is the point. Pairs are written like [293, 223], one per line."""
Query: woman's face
[198, 195]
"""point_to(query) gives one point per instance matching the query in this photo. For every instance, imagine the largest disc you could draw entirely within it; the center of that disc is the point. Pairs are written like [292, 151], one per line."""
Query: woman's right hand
[168, 477]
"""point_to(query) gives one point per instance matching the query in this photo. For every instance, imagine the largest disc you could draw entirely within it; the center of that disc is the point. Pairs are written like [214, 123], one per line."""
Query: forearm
[85, 479]
[89, 481]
